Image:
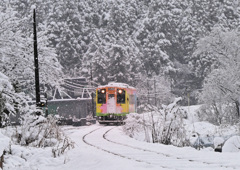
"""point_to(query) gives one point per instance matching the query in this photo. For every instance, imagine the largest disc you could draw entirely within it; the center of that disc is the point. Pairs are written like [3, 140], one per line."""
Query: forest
[186, 48]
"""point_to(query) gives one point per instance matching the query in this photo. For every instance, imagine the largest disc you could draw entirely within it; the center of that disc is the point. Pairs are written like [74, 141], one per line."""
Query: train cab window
[111, 96]
[101, 96]
[120, 96]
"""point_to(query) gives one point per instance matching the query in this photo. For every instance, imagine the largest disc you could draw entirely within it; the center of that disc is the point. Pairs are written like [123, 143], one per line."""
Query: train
[114, 101]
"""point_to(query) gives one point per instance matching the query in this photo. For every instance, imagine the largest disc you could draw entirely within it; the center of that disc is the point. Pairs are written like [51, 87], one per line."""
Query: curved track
[101, 139]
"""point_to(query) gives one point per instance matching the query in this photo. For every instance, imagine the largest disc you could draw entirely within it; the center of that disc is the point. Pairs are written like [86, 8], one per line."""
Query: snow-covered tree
[11, 102]
[221, 89]
[111, 63]
[112, 53]
[5, 100]
[161, 35]
[17, 65]
[11, 65]
[152, 43]
[155, 91]
[16, 53]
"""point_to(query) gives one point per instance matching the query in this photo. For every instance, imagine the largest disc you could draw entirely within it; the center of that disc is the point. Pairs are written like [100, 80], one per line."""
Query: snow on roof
[114, 84]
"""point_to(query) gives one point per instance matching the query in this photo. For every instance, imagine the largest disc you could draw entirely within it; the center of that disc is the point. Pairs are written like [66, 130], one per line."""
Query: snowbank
[209, 135]
[4, 142]
[232, 144]
[192, 132]
[192, 112]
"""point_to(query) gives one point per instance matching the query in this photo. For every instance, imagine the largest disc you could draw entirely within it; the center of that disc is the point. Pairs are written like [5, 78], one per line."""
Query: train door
[127, 99]
[111, 104]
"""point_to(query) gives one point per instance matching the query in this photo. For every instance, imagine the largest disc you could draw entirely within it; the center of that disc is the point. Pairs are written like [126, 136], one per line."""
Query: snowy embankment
[4, 142]
[180, 126]
[206, 134]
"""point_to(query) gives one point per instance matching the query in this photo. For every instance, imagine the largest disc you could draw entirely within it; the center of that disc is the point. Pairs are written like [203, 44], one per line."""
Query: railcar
[114, 101]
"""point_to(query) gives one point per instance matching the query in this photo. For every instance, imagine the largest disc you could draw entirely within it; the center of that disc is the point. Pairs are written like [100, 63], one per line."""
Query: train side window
[101, 96]
[120, 96]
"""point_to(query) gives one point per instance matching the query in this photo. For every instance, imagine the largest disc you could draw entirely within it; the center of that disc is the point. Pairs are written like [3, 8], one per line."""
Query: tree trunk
[237, 108]
[2, 159]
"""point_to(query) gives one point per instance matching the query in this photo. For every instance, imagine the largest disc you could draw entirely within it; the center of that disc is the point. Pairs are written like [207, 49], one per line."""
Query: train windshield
[101, 96]
[120, 96]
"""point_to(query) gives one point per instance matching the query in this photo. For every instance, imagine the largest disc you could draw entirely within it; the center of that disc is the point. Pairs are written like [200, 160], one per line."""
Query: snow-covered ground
[4, 142]
[108, 147]
[88, 157]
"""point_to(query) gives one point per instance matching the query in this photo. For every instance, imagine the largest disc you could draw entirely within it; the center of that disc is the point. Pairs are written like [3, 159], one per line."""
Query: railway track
[101, 139]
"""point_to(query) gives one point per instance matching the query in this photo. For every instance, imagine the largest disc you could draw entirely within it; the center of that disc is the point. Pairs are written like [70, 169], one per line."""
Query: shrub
[38, 131]
[164, 125]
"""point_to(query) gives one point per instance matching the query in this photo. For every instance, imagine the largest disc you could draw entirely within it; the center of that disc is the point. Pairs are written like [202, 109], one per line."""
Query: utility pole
[36, 60]
[92, 92]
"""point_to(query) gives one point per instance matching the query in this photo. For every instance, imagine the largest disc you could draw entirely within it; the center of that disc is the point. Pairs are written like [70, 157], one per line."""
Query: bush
[38, 131]
[159, 125]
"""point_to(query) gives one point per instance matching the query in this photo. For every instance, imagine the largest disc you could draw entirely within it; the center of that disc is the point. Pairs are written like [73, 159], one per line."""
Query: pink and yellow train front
[114, 101]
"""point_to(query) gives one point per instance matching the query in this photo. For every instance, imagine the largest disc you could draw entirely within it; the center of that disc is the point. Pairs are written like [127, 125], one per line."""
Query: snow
[33, 7]
[155, 157]
[192, 112]
[114, 84]
[218, 141]
[202, 128]
[4, 142]
[232, 144]
[89, 158]
[4, 82]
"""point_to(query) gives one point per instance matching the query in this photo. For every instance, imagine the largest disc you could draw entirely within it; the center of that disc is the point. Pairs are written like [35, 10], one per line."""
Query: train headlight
[120, 91]
[103, 91]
